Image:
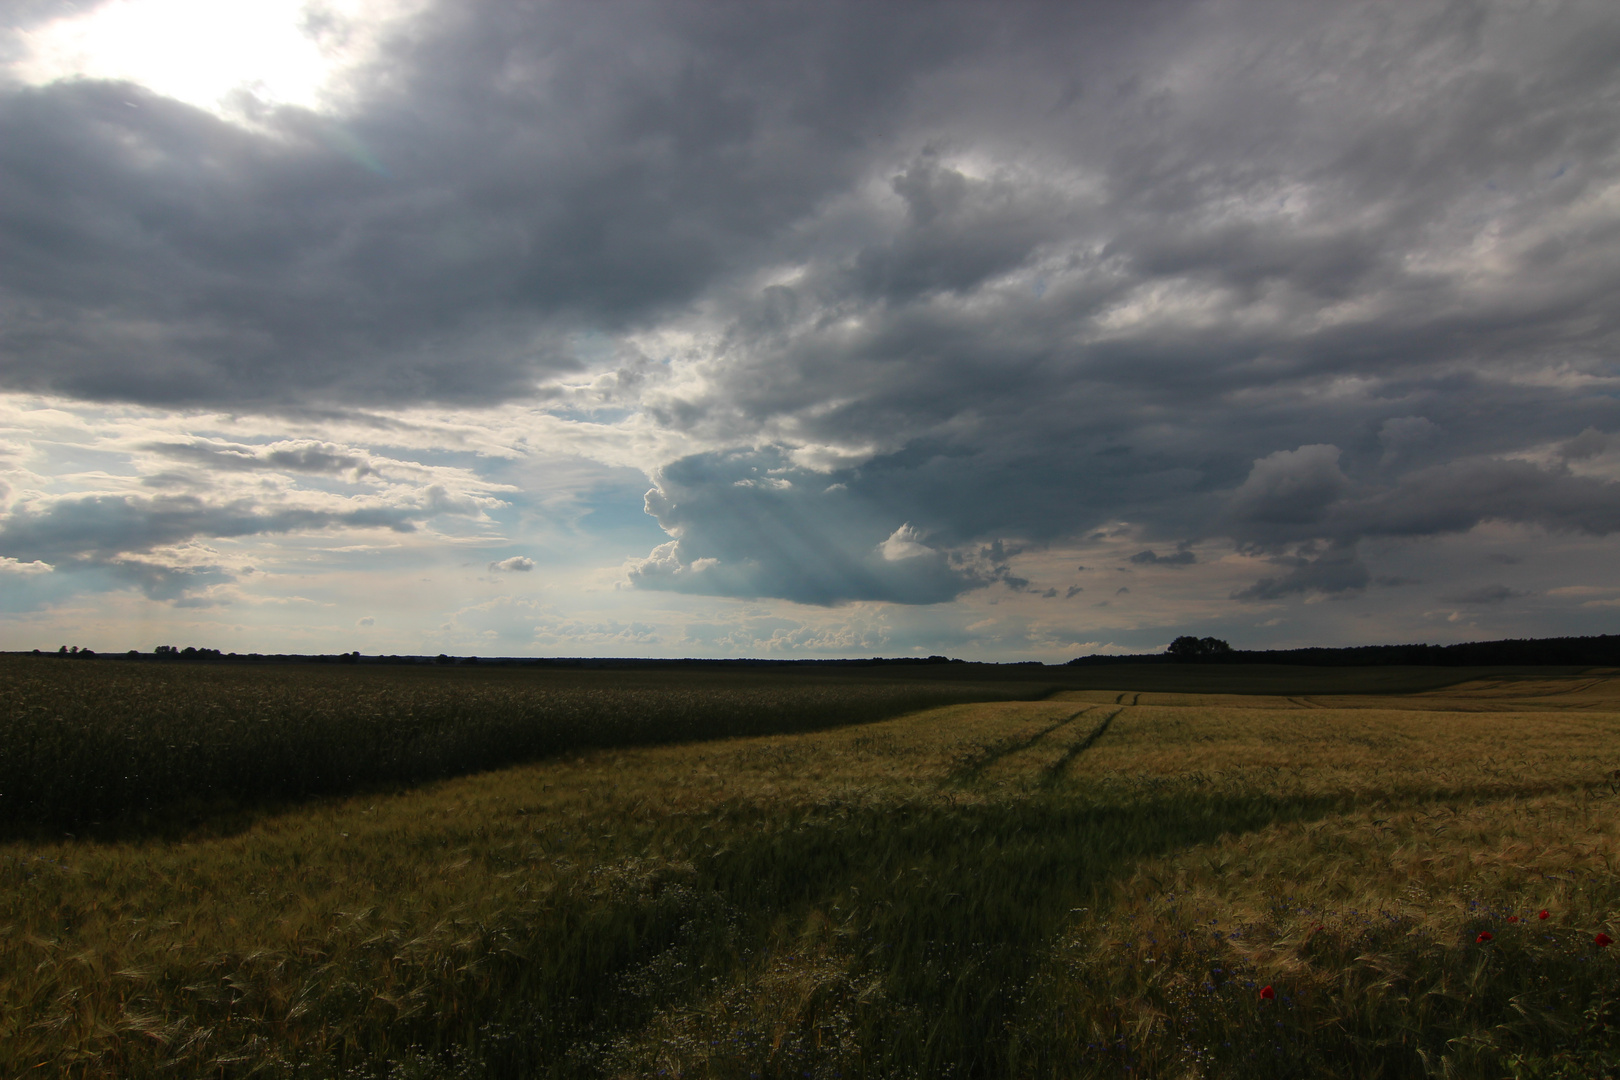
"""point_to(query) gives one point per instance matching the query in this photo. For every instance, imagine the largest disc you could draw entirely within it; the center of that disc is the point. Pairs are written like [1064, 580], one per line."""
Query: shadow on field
[121, 751]
[124, 751]
[851, 942]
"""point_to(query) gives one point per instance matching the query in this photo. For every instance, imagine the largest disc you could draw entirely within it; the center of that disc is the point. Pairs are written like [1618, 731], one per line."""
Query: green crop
[113, 743]
[1161, 882]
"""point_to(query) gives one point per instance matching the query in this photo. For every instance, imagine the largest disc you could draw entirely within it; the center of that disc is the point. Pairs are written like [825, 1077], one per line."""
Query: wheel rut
[987, 756]
[1055, 771]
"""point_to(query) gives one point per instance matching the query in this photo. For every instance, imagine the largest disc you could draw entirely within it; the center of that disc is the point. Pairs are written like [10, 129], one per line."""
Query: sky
[1011, 331]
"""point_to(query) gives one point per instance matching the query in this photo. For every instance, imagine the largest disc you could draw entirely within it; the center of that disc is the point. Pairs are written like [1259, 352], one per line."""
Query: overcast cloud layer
[998, 330]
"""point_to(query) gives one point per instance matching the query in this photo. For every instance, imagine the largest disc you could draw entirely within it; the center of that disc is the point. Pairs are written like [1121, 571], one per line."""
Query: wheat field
[1103, 882]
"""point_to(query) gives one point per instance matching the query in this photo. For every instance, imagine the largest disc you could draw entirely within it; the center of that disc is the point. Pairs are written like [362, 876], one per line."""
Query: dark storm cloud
[1301, 495]
[512, 173]
[959, 232]
[1457, 496]
[1317, 360]
[1334, 572]
[1287, 492]
[1297, 276]
[1302, 498]
[747, 525]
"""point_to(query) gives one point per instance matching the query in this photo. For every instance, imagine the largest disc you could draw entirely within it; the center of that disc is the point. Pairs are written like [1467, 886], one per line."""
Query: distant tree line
[1602, 650]
[192, 653]
[1599, 651]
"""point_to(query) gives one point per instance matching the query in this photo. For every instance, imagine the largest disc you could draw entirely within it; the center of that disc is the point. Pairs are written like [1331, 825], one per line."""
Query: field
[1014, 873]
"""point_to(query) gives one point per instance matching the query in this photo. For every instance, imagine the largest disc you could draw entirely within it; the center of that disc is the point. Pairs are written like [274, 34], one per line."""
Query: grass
[1096, 883]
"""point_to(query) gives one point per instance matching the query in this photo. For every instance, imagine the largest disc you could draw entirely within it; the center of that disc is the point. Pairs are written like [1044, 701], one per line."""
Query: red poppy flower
[1542, 914]
[1267, 993]
[1513, 918]
[1484, 936]
[1603, 940]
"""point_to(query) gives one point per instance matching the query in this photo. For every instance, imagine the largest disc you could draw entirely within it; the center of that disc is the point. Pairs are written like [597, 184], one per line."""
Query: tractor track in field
[972, 768]
[1055, 771]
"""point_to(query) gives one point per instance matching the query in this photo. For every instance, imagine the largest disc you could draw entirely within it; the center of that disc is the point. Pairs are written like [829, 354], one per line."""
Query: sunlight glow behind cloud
[203, 52]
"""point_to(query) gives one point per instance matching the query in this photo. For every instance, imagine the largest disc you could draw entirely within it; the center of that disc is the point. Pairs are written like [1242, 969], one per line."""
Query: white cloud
[904, 543]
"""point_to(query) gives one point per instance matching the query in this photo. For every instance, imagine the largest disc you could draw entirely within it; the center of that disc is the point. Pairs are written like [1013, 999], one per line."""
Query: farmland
[113, 745]
[969, 873]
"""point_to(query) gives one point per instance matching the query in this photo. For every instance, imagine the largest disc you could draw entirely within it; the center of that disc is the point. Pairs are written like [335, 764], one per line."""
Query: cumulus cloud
[875, 299]
[141, 540]
[302, 456]
[1286, 492]
[103, 526]
[520, 564]
[904, 543]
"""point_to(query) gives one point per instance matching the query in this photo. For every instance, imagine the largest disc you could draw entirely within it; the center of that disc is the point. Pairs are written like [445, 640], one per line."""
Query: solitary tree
[1188, 649]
